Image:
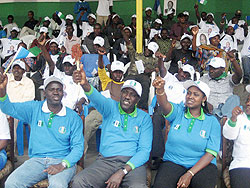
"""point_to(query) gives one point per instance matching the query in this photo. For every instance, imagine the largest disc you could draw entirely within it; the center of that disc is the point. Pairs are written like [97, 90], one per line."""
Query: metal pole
[139, 26]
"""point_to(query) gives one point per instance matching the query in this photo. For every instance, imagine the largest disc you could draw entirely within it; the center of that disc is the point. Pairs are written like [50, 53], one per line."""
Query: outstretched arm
[237, 70]
[197, 14]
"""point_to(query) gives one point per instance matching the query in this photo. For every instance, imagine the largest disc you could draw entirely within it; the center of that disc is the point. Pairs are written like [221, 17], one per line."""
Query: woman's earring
[203, 103]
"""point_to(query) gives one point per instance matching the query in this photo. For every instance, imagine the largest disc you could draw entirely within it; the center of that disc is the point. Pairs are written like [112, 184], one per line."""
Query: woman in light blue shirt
[193, 140]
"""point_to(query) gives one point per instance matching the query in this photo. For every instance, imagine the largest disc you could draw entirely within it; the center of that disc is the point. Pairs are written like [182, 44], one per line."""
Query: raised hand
[231, 56]
[101, 51]
[158, 83]
[79, 76]
[159, 55]
[236, 111]
[173, 44]
[195, 30]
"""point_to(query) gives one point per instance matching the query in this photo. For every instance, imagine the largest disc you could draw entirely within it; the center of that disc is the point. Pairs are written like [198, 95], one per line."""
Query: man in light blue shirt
[126, 139]
[56, 138]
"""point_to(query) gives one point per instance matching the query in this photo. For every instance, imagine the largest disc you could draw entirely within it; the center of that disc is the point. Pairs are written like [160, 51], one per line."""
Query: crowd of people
[90, 62]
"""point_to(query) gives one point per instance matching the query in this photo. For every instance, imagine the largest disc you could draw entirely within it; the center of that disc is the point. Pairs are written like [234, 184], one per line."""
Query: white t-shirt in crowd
[9, 27]
[246, 46]
[4, 131]
[174, 89]
[208, 28]
[86, 29]
[46, 70]
[9, 46]
[103, 7]
[228, 42]
[241, 136]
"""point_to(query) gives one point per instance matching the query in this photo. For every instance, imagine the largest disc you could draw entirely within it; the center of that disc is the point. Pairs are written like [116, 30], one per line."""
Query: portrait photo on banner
[202, 39]
[169, 7]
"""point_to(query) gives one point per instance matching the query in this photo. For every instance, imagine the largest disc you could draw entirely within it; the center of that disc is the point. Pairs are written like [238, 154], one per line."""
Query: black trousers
[240, 177]
[158, 145]
[169, 174]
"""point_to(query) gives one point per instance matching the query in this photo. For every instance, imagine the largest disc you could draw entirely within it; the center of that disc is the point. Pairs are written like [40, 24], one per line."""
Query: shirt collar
[12, 79]
[45, 109]
[133, 114]
[188, 115]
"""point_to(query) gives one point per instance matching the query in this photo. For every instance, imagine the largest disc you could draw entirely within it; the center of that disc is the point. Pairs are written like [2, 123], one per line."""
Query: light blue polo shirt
[52, 135]
[190, 138]
[123, 134]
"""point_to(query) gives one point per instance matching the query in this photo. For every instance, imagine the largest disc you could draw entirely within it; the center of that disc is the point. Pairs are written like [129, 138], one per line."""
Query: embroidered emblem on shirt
[40, 123]
[62, 130]
[116, 123]
[178, 126]
[136, 129]
[203, 134]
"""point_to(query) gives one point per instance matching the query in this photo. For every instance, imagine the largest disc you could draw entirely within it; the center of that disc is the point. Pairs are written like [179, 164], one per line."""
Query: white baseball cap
[99, 40]
[15, 29]
[248, 88]
[115, 16]
[46, 18]
[210, 14]
[186, 13]
[133, 85]
[217, 62]
[199, 84]
[129, 28]
[231, 24]
[158, 21]
[43, 29]
[213, 34]
[70, 17]
[184, 36]
[69, 59]
[117, 65]
[133, 16]
[190, 69]
[18, 62]
[92, 16]
[54, 40]
[148, 8]
[50, 79]
[153, 46]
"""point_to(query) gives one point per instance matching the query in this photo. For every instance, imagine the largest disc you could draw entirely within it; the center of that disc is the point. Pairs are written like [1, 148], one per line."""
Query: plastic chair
[20, 143]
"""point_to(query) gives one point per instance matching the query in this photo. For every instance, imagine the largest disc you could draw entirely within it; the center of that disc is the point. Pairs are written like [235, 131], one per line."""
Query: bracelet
[160, 94]
[191, 172]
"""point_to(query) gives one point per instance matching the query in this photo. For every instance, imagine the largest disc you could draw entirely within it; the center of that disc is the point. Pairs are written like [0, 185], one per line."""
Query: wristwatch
[64, 164]
[125, 171]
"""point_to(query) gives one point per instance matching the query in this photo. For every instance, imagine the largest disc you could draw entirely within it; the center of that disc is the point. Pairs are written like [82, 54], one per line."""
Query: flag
[204, 2]
[60, 15]
[157, 7]
[23, 53]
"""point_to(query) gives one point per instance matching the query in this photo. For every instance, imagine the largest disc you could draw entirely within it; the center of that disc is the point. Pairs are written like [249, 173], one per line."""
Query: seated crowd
[91, 62]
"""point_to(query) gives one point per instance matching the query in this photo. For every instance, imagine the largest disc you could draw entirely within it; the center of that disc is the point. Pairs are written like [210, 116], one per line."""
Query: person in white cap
[28, 28]
[10, 25]
[183, 55]
[222, 100]
[142, 73]
[73, 97]
[2, 31]
[148, 21]
[176, 93]
[120, 48]
[87, 27]
[104, 9]
[133, 25]
[56, 137]
[111, 88]
[237, 129]
[122, 158]
[82, 9]
[193, 140]
[156, 30]
[200, 17]
[240, 31]
[46, 24]
[163, 41]
[19, 88]
[169, 21]
[89, 62]
[186, 14]
[209, 25]
[88, 41]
